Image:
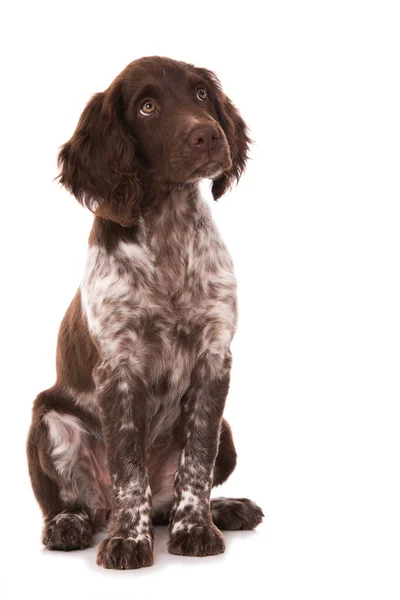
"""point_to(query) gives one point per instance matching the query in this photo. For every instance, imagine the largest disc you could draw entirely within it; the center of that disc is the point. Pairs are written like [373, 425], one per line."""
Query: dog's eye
[201, 94]
[148, 108]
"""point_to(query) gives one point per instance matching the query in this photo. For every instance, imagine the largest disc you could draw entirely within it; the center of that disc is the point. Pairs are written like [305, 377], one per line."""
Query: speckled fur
[133, 429]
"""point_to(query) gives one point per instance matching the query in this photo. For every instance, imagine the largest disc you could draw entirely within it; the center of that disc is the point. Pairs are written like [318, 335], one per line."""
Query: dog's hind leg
[231, 513]
[68, 473]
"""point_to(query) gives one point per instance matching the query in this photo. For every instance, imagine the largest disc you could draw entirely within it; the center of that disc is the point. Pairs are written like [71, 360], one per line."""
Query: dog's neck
[161, 215]
[175, 204]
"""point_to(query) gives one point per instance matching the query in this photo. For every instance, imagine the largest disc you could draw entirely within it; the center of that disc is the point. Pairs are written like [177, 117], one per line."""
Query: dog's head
[160, 120]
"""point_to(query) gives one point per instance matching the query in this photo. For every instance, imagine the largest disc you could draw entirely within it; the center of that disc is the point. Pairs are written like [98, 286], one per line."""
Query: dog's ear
[236, 133]
[98, 164]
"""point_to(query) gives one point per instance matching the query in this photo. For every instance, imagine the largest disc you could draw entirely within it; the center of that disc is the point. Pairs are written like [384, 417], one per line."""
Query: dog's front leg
[192, 531]
[123, 401]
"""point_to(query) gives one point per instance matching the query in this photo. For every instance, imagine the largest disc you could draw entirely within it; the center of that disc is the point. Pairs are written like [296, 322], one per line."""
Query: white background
[313, 228]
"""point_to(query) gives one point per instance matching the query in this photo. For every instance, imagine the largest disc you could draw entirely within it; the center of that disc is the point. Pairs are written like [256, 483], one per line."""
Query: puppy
[132, 433]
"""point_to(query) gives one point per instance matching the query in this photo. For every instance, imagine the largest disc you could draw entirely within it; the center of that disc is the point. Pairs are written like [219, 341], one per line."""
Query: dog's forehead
[162, 72]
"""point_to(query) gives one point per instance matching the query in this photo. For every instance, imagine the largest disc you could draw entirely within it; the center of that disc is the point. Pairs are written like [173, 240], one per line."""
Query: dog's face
[172, 111]
[160, 121]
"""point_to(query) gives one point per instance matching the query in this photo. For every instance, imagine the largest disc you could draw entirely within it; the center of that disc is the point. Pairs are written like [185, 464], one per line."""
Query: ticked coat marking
[128, 292]
[132, 434]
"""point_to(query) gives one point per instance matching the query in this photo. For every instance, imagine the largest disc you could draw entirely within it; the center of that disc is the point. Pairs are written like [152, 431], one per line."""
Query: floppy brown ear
[236, 133]
[97, 165]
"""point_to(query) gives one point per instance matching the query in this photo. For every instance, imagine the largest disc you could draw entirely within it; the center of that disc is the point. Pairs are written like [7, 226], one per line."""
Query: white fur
[66, 434]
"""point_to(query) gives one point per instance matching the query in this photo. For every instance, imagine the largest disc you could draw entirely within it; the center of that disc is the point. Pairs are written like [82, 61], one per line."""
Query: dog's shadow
[162, 558]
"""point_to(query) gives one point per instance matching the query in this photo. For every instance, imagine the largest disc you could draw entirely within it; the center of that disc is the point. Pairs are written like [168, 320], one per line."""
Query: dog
[132, 433]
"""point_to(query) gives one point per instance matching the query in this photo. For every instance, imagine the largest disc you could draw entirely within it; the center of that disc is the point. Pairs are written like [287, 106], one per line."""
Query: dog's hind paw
[235, 513]
[68, 531]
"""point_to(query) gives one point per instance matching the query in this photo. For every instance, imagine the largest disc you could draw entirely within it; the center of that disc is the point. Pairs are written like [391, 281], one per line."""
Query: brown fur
[133, 427]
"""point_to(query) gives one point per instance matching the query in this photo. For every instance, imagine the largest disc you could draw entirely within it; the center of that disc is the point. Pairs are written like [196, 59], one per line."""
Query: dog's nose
[204, 137]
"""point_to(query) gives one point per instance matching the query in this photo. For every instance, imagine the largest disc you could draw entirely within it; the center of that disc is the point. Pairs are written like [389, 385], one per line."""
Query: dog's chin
[209, 170]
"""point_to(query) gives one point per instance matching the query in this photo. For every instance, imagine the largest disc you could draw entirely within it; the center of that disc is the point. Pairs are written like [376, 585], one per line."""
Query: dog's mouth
[210, 169]
[204, 165]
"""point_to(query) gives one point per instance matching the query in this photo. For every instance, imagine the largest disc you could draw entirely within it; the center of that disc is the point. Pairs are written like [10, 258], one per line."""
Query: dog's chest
[163, 302]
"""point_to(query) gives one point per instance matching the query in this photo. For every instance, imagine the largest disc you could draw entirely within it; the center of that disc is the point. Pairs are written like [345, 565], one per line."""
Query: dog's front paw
[196, 540]
[125, 553]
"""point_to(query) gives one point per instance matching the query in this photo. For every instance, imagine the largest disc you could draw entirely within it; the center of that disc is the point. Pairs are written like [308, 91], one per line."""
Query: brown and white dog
[132, 432]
